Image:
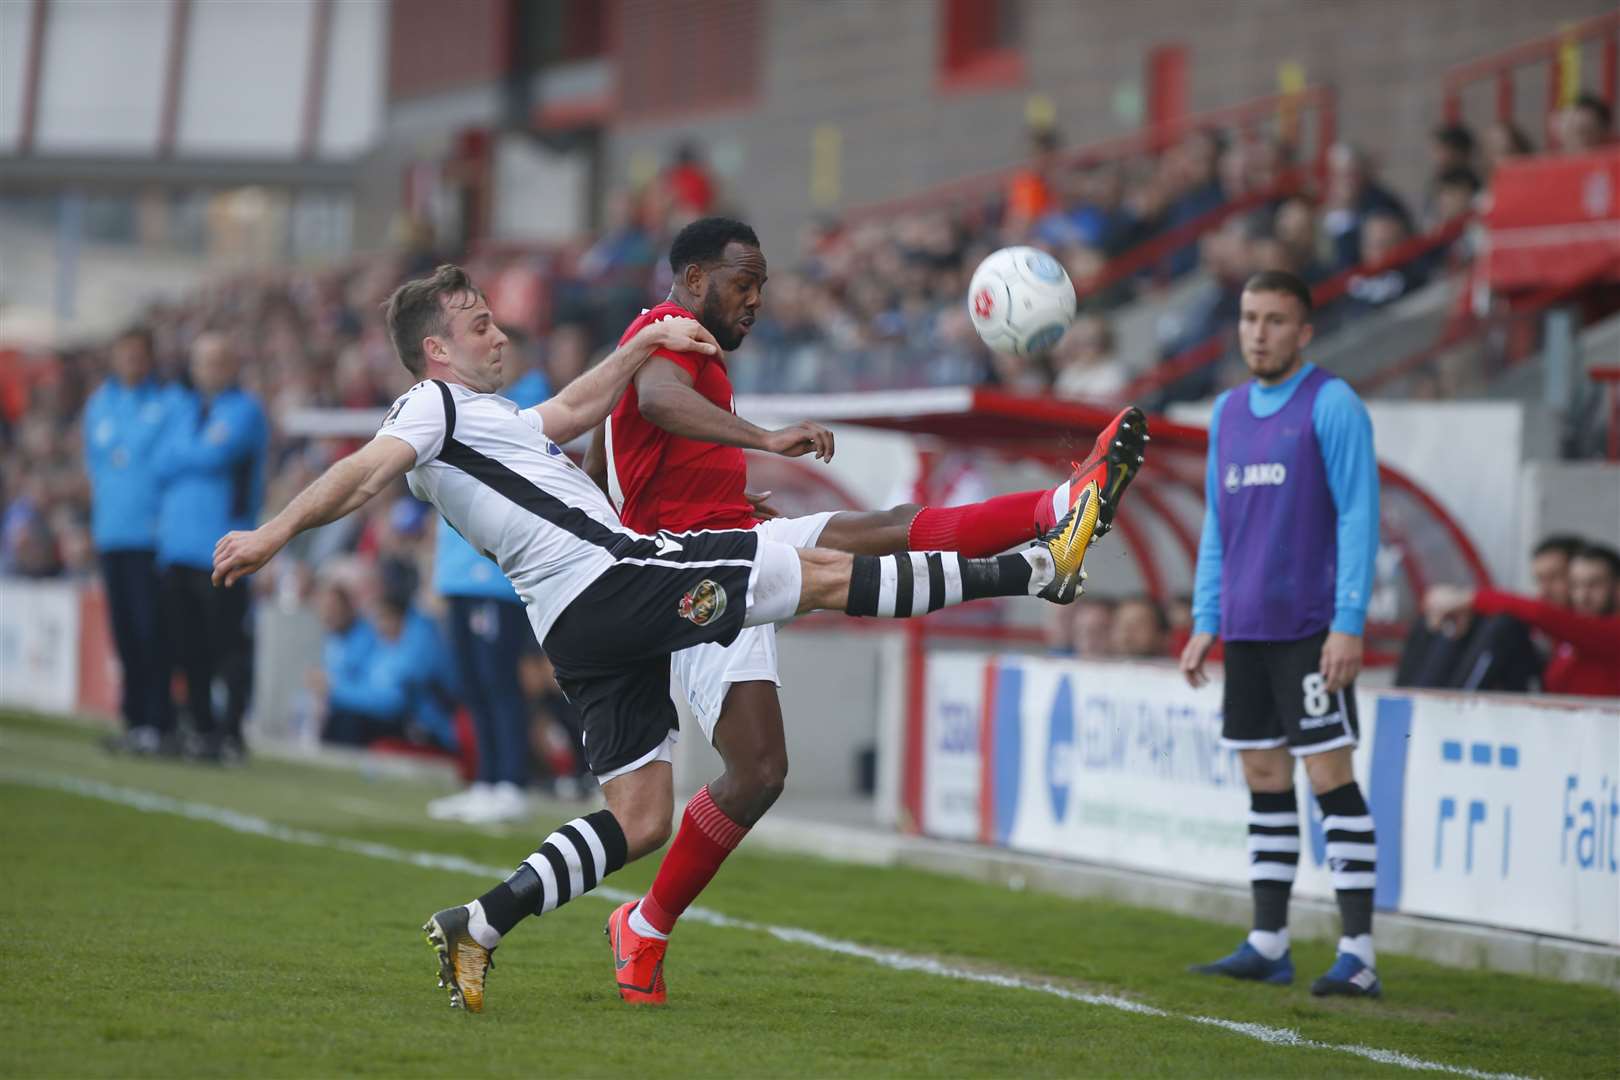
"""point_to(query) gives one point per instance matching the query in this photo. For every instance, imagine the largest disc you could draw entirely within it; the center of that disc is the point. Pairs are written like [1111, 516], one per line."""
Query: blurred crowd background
[1157, 241]
[869, 303]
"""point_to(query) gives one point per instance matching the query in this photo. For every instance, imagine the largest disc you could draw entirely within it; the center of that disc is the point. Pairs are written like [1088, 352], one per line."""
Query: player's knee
[1329, 770]
[646, 830]
[756, 785]
[770, 775]
[763, 777]
[1267, 770]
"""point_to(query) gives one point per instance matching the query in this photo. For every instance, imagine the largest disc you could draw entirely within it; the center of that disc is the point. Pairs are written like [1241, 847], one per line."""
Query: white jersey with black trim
[489, 468]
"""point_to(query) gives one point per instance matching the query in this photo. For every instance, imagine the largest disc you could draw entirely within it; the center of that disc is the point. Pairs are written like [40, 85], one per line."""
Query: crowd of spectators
[876, 302]
[1135, 627]
[872, 301]
[199, 390]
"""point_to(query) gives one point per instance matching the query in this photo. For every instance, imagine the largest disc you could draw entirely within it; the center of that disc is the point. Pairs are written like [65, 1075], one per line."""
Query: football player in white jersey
[608, 604]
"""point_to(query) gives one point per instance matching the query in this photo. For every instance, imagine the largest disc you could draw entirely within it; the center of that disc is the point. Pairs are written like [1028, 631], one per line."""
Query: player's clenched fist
[240, 553]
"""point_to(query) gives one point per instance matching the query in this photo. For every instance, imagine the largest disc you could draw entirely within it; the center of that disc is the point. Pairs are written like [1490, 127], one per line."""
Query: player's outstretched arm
[669, 399]
[345, 487]
[586, 401]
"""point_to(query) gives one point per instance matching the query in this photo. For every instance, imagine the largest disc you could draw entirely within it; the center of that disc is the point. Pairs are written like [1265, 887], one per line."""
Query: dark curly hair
[705, 240]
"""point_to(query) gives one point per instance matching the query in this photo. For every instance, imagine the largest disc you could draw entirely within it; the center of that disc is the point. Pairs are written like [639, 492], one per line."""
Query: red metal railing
[1209, 351]
[1247, 117]
[1609, 378]
[1501, 67]
[1155, 252]
[1519, 347]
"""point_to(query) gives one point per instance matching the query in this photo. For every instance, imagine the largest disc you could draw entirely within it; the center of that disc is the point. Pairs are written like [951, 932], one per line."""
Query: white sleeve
[418, 419]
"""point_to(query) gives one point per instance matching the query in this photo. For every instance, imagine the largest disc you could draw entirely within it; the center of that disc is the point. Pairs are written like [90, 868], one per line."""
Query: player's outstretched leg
[569, 863]
[995, 525]
[914, 583]
[911, 583]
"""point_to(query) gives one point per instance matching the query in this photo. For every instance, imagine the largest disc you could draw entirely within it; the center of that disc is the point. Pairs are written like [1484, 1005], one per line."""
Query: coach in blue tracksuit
[123, 422]
[1285, 567]
[488, 633]
[210, 465]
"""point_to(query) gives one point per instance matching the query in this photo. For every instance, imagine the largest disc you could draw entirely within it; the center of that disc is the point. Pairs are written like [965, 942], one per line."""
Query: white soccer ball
[1020, 301]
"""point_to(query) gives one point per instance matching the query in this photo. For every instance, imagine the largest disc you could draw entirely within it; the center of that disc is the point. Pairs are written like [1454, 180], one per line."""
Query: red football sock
[705, 838]
[982, 529]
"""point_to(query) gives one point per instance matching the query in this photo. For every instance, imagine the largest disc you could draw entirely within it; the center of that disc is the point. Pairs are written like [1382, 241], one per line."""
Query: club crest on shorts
[703, 604]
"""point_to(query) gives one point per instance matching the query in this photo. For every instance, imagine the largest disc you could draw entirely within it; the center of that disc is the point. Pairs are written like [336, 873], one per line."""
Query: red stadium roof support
[1609, 378]
[1045, 429]
[33, 65]
[1048, 429]
[1499, 66]
[1461, 329]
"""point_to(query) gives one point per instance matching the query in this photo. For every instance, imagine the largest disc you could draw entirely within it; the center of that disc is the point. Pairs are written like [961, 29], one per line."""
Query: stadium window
[679, 57]
[981, 43]
[564, 31]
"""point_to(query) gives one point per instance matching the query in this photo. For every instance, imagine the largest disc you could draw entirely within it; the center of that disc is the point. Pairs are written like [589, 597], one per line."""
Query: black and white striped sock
[917, 582]
[1273, 858]
[571, 862]
[1352, 854]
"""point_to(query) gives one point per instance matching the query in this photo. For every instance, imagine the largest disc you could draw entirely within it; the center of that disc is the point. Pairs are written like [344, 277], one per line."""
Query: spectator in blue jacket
[346, 654]
[392, 679]
[123, 421]
[210, 466]
[489, 633]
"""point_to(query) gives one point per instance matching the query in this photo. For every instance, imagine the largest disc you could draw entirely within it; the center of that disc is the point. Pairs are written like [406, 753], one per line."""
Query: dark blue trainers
[1348, 977]
[1247, 963]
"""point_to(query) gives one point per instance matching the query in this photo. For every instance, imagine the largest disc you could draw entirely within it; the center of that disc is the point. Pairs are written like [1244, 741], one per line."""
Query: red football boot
[638, 961]
[1113, 463]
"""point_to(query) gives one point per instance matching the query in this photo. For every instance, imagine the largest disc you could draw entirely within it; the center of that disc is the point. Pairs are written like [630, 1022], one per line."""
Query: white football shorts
[706, 672]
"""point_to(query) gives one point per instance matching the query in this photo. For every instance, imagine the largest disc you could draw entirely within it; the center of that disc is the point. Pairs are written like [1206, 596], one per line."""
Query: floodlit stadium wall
[1493, 811]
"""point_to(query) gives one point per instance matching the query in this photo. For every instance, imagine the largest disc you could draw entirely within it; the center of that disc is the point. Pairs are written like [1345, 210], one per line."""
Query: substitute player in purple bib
[609, 604]
[1285, 566]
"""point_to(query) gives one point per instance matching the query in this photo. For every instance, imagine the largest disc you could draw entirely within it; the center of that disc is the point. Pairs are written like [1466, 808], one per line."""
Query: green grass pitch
[153, 944]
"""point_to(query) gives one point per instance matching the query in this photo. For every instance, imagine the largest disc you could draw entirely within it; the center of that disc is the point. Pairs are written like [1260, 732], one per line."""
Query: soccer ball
[1020, 301]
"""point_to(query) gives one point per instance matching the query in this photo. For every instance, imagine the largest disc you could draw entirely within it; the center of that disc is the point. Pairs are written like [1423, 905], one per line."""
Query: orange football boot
[638, 962]
[1114, 460]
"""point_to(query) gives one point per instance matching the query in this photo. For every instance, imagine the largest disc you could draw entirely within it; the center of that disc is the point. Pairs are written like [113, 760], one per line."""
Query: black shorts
[611, 644]
[1275, 697]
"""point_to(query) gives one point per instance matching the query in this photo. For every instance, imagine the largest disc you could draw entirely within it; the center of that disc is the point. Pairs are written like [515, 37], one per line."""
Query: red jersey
[1587, 660]
[662, 481]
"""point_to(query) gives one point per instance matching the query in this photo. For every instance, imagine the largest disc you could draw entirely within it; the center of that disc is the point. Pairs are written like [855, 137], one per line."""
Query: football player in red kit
[670, 457]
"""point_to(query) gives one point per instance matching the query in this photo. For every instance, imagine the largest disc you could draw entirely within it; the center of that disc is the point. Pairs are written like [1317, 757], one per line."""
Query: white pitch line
[153, 803]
